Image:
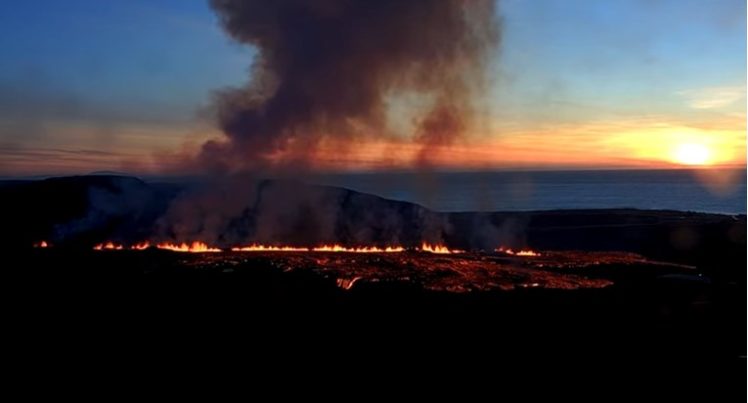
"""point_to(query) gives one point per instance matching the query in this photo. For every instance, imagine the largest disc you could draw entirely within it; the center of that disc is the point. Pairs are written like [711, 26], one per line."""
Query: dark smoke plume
[325, 68]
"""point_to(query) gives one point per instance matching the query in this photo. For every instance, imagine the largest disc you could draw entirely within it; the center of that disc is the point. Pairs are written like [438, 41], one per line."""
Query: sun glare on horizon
[692, 154]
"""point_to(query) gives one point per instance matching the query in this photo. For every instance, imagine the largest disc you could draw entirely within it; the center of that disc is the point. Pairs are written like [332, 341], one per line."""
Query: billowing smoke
[234, 210]
[325, 73]
[325, 68]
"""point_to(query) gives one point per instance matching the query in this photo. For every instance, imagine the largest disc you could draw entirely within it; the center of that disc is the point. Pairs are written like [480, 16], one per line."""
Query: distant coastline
[700, 190]
[705, 190]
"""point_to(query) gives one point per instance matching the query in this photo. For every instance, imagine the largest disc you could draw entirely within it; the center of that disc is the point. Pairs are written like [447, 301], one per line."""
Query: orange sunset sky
[575, 84]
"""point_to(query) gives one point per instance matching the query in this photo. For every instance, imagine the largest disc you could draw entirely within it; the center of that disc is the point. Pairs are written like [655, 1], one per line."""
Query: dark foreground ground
[675, 311]
[469, 305]
[631, 322]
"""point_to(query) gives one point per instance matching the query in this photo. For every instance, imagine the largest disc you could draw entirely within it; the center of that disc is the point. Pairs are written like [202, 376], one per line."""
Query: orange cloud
[643, 142]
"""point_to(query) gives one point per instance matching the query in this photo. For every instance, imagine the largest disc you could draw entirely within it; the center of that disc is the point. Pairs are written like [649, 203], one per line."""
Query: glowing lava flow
[108, 246]
[527, 253]
[141, 246]
[195, 247]
[113, 246]
[323, 248]
[523, 252]
[366, 249]
[266, 248]
[198, 247]
[440, 249]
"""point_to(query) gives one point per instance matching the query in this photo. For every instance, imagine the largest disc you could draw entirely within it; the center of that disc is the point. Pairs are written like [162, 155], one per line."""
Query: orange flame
[440, 249]
[522, 252]
[114, 246]
[198, 247]
[194, 247]
[108, 246]
[365, 249]
[266, 248]
[183, 247]
[527, 252]
[42, 244]
[323, 248]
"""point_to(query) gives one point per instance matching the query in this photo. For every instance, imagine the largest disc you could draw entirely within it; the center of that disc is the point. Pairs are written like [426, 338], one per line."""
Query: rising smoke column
[325, 67]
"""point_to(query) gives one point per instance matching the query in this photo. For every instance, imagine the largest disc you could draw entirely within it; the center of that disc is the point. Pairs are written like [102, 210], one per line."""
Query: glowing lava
[440, 249]
[527, 253]
[266, 248]
[141, 246]
[108, 246]
[198, 247]
[323, 248]
[114, 246]
[365, 249]
[194, 247]
[522, 252]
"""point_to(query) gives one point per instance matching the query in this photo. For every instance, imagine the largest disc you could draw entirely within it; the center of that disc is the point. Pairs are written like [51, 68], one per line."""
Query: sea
[699, 190]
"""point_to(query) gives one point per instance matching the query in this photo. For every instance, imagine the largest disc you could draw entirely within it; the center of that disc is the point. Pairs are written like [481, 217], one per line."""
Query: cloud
[713, 97]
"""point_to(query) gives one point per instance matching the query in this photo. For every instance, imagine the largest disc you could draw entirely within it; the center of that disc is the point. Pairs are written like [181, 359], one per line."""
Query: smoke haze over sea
[686, 190]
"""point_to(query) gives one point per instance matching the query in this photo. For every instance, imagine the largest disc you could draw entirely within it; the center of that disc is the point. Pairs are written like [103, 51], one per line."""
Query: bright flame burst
[42, 244]
[522, 252]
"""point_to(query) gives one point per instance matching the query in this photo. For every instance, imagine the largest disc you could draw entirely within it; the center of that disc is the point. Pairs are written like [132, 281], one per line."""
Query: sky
[87, 86]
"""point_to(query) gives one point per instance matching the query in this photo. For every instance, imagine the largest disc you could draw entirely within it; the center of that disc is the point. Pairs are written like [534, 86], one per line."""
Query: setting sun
[692, 154]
